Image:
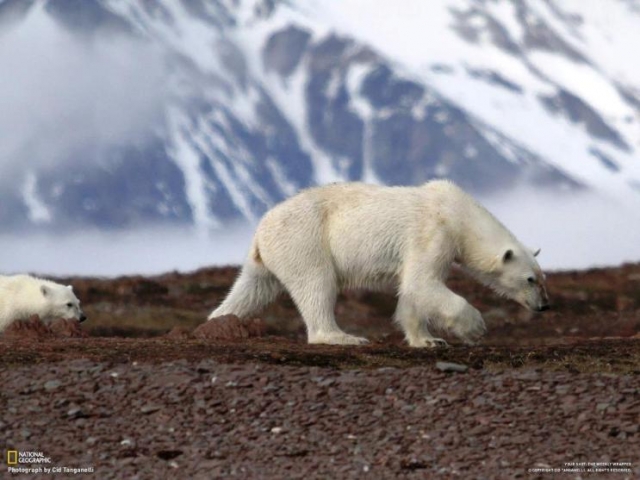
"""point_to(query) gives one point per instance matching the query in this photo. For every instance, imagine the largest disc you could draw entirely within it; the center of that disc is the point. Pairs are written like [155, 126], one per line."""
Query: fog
[61, 96]
[147, 252]
[573, 231]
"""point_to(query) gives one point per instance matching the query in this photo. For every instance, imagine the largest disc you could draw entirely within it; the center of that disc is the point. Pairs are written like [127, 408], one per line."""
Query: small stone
[75, 412]
[127, 442]
[276, 430]
[451, 367]
[52, 384]
[150, 408]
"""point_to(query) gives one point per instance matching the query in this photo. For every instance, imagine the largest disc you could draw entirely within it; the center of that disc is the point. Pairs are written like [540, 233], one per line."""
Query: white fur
[22, 296]
[354, 235]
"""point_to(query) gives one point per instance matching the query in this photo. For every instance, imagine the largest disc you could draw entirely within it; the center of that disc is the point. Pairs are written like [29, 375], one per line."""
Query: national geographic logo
[16, 457]
[37, 463]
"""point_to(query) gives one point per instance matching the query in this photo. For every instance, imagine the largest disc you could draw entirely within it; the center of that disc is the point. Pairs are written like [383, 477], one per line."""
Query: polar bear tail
[254, 289]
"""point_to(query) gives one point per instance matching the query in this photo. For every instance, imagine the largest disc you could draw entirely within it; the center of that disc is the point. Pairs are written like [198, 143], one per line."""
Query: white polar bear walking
[22, 296]
[354, 235]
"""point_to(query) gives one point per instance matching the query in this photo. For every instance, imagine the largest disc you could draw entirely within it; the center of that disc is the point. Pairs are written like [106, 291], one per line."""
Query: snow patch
[280, 176]
[505, 13]
[188, 159]
[585, 82]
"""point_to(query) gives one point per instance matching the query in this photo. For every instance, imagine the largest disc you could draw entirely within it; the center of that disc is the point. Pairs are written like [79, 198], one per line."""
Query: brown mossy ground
[593, 327]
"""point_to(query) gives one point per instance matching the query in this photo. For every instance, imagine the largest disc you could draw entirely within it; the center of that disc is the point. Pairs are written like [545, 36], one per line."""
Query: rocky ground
[141, 391]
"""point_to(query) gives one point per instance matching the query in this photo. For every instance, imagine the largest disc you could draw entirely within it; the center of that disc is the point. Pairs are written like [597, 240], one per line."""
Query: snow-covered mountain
[116, 113]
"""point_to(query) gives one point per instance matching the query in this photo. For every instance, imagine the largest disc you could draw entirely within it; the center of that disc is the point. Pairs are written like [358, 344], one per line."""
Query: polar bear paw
[337, 338]
[428, 342]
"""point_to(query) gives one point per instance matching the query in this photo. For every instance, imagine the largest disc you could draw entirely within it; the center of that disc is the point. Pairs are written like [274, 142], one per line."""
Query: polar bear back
[364, 231]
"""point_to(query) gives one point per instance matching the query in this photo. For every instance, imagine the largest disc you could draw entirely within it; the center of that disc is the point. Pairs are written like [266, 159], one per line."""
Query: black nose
[544, 308]
[83, 317]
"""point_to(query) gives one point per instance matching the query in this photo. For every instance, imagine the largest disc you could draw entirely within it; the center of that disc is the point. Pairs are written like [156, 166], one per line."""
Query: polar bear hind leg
[255, 288]
[315, 296]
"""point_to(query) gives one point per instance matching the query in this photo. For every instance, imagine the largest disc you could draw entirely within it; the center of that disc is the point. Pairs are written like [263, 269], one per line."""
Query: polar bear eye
[70, 305]
[531, 280]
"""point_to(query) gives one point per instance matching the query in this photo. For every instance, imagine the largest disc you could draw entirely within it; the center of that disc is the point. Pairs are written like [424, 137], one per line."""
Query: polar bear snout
[82, 317]
[543, 302]
[534, 306]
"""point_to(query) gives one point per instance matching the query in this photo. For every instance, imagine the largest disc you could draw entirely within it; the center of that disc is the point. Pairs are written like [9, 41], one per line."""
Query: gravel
[206, 419]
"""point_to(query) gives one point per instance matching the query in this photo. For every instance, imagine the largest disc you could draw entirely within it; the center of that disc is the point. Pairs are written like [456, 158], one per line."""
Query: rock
[451, 367]
[230, 327]
[181, 333]
[33, 328]
[127, 442]
[52, 384]
[75, 412]
[168, 454]
[67, 328]
[150, 408]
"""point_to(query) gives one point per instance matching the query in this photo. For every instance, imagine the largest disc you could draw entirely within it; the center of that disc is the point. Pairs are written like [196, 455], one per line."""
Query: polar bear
[22, 296]
[354, 235]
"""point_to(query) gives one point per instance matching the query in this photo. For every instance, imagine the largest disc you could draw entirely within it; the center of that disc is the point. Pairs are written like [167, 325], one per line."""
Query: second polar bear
[354, 235]
[22, 296]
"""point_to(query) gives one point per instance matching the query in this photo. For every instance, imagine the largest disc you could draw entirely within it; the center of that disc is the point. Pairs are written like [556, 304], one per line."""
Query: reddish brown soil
[149, 394]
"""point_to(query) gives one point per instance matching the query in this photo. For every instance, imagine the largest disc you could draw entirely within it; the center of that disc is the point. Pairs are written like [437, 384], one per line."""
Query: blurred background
[147, 136]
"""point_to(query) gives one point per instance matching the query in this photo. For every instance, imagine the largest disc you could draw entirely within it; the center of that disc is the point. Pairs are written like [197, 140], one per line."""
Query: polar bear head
[517, 275]
[61, 302]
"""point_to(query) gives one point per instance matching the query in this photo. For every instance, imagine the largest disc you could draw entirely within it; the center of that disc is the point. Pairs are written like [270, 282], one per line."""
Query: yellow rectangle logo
[12, 457]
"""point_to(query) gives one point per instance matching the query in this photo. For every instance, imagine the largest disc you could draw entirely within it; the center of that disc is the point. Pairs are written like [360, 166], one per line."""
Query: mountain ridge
[249, 102]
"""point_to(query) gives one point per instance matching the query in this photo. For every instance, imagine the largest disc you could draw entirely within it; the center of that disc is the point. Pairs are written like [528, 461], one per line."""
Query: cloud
[574, 230]
[136, 251]
[60, 96]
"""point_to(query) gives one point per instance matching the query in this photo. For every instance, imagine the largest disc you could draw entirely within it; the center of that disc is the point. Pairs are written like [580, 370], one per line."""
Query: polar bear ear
[507, 256]
[536, 253]
[70, 287]
[44, 290]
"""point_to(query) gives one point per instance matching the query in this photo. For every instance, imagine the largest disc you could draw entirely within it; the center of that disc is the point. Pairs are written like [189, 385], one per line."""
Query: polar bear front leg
[439, 304]
[467, 324]
[415, 328]
[455, 314]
